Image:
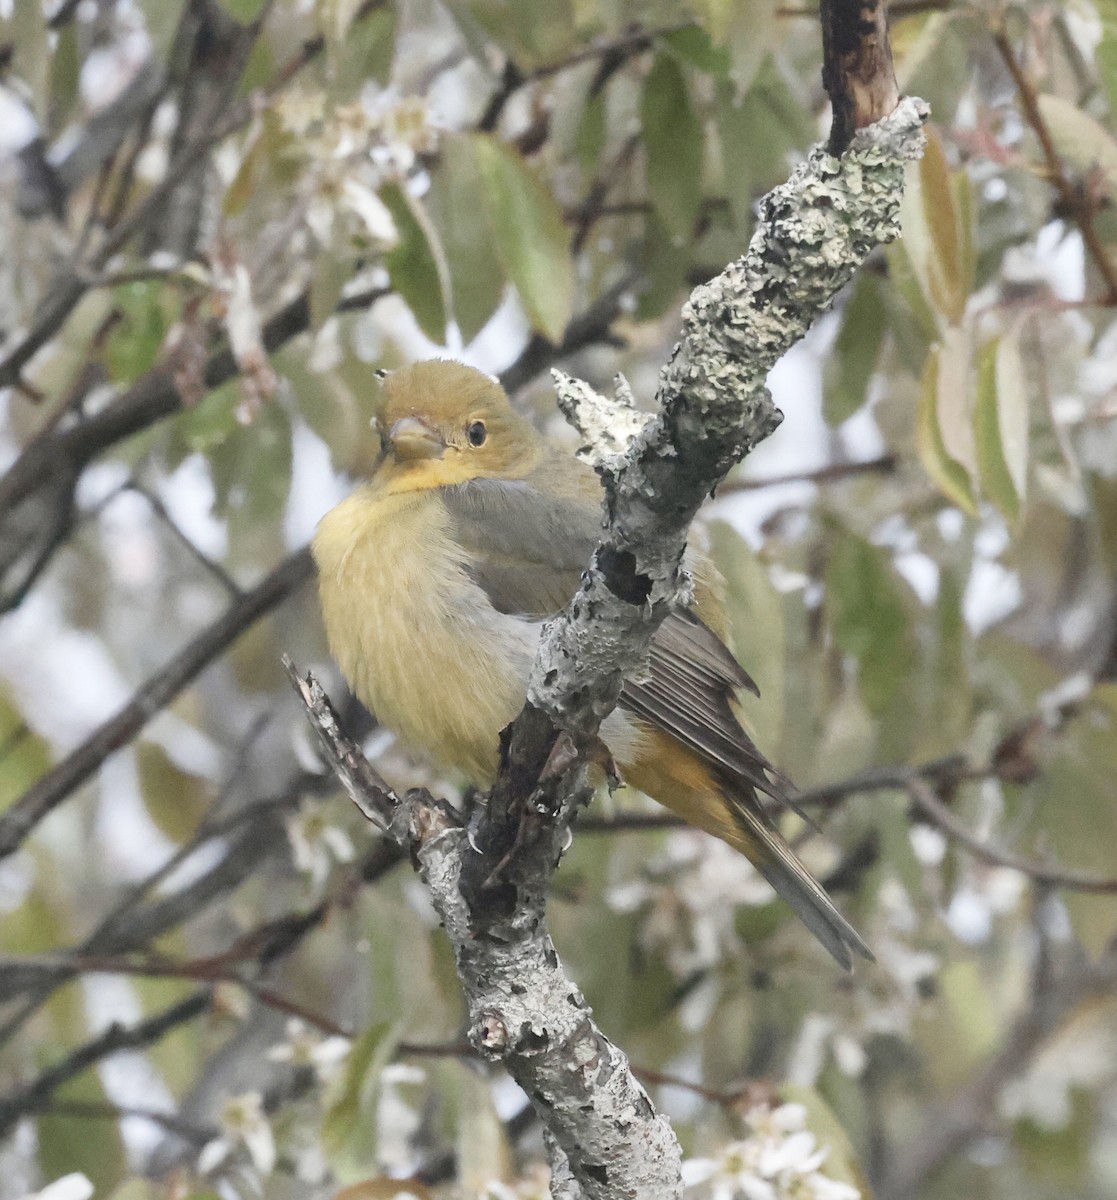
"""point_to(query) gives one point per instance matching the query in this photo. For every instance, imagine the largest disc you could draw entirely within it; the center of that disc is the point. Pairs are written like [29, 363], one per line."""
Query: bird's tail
[755, 835]
[730, 809]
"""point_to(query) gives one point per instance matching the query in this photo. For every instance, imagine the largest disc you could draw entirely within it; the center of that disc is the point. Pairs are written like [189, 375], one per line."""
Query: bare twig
[1076, 201]
[62, 780]
[856, 66]
[936, 813]
[208, 564]
[197, 1135]
[116, 1038]
[885, 464]
[613, 51]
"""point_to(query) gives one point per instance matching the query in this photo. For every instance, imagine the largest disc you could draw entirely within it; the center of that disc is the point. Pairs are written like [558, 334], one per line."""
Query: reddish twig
[1075, 200]
[856, 66]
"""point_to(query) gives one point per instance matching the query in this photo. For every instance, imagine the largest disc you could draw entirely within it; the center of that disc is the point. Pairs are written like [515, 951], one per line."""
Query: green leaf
[852, 362]
[366, 54]
[527, 229]
[333, 268]
[697, 48]
[243, 10]
[1106, 55]
[147, 310]
[757, 135]
[948, 277]
[476, 275]
[174, 799]
[67, 1144]
[24, 756]
[65, 69]
[841, 1161]
[1001, 425]
[868, 608]
[673, 141]
[952, 477]
[663, 273]
[949, 697]
[756, 615]
[370, 1054]
[413, 263]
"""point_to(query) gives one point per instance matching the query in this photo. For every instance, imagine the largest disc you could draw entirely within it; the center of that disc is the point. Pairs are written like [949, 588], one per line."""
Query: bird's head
[442, 423]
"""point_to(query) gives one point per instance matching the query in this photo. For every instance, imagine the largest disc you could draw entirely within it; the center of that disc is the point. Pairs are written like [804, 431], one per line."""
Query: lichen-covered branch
[814, 232]
[605, 1138]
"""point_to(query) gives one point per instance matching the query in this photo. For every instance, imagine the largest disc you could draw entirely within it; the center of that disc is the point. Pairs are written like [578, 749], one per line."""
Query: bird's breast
[415, 637]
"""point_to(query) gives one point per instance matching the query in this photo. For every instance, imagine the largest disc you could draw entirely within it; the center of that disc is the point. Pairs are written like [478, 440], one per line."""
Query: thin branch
[150, 699]
[208, 564]
[856, 66]
[949, 1128]
[115, 1039]
[1075, 200]
[885, 464]
[198, 1135]
[615, 51]
[937, 814]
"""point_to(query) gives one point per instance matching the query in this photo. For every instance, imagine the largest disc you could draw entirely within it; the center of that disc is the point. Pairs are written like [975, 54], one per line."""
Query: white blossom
[306, 1047]
[317, 843]
[780, 1160]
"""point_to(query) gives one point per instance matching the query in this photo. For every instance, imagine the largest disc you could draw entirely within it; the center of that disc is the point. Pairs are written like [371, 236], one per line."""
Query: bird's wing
[525, 546]
[688, 691]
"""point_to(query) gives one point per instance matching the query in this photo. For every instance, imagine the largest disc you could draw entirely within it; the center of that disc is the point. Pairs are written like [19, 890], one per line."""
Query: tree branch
[857, 66]
[951, 1127]
[116, 1038]
[74, 770]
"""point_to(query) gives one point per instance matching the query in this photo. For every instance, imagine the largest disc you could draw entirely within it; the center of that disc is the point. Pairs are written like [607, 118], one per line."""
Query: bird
[435, 577]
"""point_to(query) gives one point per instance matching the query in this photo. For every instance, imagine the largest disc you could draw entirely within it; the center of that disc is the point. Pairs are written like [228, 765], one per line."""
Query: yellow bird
[436, 574]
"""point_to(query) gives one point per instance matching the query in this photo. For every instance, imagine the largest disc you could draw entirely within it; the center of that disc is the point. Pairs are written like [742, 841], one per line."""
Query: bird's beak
[412, 438]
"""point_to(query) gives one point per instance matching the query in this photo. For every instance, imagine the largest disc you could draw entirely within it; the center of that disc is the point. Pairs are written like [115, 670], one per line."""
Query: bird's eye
[476, 432]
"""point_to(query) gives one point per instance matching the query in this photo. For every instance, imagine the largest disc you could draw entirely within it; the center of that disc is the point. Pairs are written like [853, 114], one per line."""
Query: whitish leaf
[954, 400]
[718, 18]
[375, 214]
[1084, 143]
[1001, 425]
[413, 265]
[756, 30]
[673, 141]
[947, 266]
[952, 478]
[527, 229]
[335, 18]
